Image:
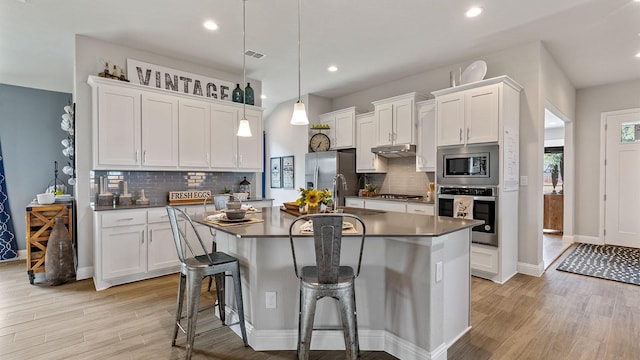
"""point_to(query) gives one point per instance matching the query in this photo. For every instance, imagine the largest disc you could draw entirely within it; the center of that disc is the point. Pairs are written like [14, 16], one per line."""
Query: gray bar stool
[328, 278]
[196, 264]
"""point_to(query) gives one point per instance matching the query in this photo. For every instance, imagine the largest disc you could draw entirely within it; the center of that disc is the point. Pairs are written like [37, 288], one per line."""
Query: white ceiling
[371, 41]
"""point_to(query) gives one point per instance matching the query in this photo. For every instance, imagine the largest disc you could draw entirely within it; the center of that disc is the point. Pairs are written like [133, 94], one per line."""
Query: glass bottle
[237, 95]
[248, 91]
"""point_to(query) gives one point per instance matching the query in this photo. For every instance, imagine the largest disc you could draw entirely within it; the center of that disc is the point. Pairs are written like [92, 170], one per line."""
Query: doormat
[604, 261]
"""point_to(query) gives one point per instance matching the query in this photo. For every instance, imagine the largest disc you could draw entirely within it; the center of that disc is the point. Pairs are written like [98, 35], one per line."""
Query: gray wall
[590, 103]
[30, 135]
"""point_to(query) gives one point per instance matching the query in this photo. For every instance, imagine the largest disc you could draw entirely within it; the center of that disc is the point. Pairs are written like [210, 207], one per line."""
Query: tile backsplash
[157, 184]
[401, 178]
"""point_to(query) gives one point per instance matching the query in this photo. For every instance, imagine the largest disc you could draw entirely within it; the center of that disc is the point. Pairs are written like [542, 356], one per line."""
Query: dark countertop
[156, 204]
[418, 201]
[379, 224]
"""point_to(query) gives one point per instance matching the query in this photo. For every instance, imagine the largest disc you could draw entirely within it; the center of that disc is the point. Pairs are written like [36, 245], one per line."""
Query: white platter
[474, 72]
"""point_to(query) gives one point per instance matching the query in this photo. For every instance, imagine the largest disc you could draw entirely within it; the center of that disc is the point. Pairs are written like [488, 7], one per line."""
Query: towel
[249, 208]
[220, 216]
[463, 207]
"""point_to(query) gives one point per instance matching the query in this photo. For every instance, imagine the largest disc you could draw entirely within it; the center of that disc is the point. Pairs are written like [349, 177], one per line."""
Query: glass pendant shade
[299, 116]
[243, 128]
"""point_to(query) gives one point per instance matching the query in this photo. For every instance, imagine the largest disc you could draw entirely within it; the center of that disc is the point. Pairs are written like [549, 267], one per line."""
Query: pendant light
[244, 130]
[299, 116]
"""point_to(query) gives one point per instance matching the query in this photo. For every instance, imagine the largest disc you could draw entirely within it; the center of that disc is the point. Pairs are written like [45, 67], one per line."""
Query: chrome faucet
[335, 189]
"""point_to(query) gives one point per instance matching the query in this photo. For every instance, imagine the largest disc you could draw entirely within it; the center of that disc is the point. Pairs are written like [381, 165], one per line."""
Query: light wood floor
[556, 316]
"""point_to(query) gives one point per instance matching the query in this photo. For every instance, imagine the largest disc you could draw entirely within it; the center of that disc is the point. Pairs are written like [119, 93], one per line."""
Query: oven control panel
[473, 191]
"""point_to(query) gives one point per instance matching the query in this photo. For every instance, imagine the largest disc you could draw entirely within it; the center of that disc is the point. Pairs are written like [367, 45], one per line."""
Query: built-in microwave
[468, 165]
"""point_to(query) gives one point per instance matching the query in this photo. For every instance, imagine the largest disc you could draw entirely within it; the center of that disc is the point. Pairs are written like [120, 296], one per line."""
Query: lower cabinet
[390, 205]
[484, 259]
[132, 245]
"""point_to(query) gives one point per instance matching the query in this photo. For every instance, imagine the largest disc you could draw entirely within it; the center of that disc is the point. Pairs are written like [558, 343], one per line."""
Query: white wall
[284, 139]
[88, 55]
[590, 103]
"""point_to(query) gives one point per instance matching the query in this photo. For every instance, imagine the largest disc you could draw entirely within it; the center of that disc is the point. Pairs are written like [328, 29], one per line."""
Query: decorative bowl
[234, 205]
[235, 214]
[46, 198]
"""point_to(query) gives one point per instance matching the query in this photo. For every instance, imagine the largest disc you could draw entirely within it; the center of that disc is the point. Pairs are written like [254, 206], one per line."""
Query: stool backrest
[327, 238]
[186, 247]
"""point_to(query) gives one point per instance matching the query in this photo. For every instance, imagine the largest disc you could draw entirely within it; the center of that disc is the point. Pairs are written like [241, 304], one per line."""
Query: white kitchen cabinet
[228, 151]
[426, 147]
[342, 127]
[140, 128]
[386, 205]
[366, 161]
[395, 119]
[117, 133]
[422, 209]
[484, 259]
[129, 247]
[159, 116]
[473, 113]
[354, 202]
[194, 133]
[250, 148]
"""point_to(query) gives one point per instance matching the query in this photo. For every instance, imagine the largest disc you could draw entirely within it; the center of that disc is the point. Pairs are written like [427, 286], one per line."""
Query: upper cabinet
[159, 130]
[473, 113]
[118, 143]
[342, 127]
[366, 161]
[426, 147]
[395, 119]
[147, 129]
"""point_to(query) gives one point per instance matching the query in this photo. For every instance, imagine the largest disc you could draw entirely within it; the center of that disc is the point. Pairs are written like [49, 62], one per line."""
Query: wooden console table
[553, 211]
[39, 223]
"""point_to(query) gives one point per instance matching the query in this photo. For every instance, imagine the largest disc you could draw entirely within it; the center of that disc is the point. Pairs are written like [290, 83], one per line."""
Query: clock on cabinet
[319, 142]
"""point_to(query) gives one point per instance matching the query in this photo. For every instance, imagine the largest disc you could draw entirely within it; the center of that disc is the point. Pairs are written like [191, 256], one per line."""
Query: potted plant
[369, 190]
[314, 200]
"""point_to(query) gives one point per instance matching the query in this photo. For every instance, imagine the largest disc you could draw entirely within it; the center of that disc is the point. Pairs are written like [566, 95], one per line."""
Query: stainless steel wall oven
[485, 207]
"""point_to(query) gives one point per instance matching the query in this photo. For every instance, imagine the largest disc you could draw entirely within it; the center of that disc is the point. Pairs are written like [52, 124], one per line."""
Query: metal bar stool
[196, 264]
[327, 278]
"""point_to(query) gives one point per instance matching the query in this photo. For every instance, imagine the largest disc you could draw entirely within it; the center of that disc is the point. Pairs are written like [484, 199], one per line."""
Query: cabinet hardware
[126, 219]
[136, 157]
[144, 156]
[460, 134]
[467, 134]
[142, 236]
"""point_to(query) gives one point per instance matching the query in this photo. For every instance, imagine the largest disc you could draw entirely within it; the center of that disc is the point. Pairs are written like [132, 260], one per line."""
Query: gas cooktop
[398, 196]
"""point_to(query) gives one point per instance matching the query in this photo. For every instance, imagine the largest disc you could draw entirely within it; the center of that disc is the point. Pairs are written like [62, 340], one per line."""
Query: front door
[622, 176]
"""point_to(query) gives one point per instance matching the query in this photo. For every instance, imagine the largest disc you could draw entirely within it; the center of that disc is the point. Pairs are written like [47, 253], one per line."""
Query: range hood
[395, 151]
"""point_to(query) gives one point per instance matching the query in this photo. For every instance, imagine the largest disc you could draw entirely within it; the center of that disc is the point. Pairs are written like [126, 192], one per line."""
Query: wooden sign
[183, 197]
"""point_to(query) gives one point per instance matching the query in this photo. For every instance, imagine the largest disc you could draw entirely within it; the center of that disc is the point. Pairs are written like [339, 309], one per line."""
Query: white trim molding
[531, 269]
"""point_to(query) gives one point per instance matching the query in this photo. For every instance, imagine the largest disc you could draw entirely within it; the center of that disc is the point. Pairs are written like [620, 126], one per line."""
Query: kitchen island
[413, 293]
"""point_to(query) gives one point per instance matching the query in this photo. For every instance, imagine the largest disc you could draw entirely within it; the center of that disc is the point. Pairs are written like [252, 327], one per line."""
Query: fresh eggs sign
[160, 77]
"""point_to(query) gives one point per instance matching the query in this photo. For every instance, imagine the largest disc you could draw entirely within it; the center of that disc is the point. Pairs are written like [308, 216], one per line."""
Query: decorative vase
[313, 209]
[237, 95]
[248, 94]
[58, 259]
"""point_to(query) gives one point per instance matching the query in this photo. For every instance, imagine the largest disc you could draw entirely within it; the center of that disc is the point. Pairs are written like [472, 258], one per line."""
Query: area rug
[604, 261]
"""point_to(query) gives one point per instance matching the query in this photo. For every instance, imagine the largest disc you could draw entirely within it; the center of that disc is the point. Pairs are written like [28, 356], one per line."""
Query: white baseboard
[531, 269]
[370, 340]
[595, 240]
[84, 273]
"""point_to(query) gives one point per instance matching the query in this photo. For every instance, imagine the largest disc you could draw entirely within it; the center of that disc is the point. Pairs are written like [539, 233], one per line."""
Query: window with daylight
[553, 169]
[630, 132]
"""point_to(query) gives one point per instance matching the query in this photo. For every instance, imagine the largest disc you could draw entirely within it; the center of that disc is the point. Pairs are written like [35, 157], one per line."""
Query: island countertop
[379, 223]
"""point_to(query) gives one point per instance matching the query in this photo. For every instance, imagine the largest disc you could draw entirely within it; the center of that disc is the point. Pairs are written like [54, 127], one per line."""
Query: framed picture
[287, 172]
[276, 172]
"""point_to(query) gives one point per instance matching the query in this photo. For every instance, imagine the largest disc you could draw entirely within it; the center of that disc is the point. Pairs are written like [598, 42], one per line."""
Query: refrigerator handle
[315, 177]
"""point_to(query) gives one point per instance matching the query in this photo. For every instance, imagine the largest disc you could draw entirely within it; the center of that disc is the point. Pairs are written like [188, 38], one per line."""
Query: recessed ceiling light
[474, 11]
[210, 25]
[263, 96]
[332, 68]
[638, 55]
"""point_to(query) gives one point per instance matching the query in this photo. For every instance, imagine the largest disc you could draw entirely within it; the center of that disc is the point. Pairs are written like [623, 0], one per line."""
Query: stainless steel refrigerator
[322, 167]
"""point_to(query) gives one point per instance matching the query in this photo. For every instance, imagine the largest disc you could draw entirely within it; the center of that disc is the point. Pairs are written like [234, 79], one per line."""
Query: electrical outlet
[270, 300]
[439, 271]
